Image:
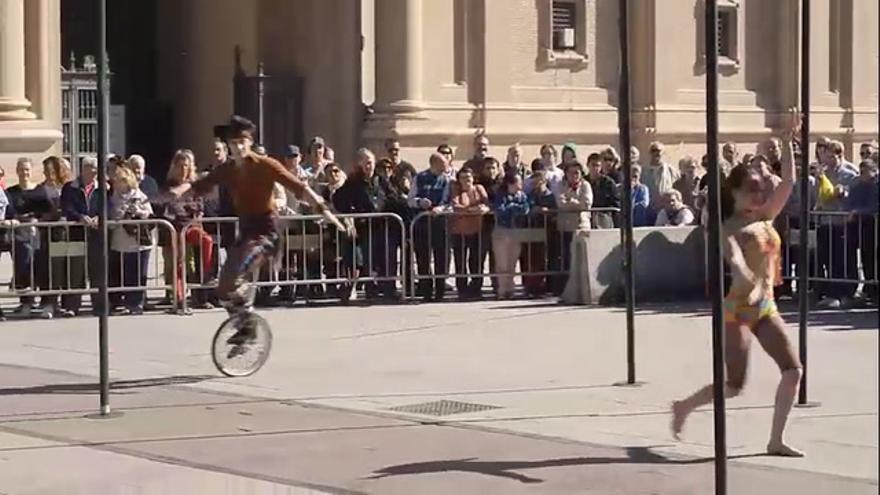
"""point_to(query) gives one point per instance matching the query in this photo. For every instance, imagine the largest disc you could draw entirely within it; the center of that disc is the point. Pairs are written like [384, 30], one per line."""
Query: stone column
[13, 103]
[399, 56]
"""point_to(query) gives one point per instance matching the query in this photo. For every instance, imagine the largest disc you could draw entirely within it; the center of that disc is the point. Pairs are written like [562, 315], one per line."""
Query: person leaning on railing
[605, 193]
[335, 178]
[469, 203]
[395, 202]
[79, 203]
[303, 261]
[490, 178]
[863, 203]
[430, 193]
[364, 254]
[835, 250]
[57, 248]
[30, 202]
[130, 244]
[673, 212]
[536, 254]
[511, 209]
[181, 212]
[574, 199]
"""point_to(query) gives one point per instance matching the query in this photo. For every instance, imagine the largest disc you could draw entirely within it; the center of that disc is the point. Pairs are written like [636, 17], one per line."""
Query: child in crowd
[542, 203]
[640, 198]
[511, 208]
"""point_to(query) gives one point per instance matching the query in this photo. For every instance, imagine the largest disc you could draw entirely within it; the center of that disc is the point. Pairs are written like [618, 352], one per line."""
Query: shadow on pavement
[506, 469]
[116, 386]
[838, 320]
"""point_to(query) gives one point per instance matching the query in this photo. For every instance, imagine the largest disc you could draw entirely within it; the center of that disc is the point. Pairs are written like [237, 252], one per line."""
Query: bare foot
[782, 450]
[679, 415]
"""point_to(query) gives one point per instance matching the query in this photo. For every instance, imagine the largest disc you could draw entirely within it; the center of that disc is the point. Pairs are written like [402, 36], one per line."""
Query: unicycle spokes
[241, 345]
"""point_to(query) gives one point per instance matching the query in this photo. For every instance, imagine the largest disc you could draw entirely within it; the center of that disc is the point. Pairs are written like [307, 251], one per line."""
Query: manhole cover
[442, 408]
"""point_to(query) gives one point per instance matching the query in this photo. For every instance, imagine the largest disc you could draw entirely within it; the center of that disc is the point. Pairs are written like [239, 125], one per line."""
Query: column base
[15, 109]
[33, 136]
[17, 115]
[402, 109]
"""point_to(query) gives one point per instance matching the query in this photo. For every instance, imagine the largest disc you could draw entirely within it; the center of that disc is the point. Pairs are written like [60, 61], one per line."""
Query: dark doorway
[132, 50]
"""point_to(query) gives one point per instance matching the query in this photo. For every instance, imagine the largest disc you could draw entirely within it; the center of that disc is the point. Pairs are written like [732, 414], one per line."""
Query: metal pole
[625, 144]
[716, 266]
[804, 276]
[103, 259]
[261, 96]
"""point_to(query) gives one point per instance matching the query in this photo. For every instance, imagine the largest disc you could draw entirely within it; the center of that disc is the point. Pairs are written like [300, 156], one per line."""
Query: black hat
[241, 127]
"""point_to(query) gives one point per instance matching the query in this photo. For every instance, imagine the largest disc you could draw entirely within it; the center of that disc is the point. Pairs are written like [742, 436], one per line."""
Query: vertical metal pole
[716, 266]
[804, 276]
[103, 260]
[623, 119]
[261, 96]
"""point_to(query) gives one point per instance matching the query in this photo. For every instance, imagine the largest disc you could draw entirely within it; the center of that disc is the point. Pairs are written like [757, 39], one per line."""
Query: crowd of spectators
[483, 213]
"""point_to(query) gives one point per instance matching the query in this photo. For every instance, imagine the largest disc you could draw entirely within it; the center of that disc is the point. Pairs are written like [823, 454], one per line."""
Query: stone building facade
[437, 71]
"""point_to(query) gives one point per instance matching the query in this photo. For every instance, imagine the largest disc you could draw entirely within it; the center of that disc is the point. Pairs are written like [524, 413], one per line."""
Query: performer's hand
[756, 294]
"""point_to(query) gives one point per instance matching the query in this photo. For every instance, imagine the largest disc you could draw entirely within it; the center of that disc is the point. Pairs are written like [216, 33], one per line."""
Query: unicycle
[241, 357]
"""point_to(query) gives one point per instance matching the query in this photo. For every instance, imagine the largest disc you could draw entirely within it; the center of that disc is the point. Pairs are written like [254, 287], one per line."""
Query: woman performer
[752, 248]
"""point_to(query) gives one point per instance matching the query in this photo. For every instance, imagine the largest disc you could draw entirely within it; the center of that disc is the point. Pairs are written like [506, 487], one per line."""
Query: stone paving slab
[549, 369]
[59, 469]
[291, 445]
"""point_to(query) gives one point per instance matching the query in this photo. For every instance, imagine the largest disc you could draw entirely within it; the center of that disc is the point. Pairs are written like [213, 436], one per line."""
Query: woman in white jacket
[130, 244]
[574, 198]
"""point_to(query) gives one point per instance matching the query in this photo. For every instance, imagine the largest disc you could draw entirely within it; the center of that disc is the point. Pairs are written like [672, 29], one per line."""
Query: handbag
[5, 240]
[142, 233]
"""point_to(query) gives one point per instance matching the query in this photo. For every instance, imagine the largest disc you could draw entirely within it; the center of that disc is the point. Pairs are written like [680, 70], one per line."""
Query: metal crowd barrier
[311, 252]
[56, 258]
[842, 246]
[537, 233]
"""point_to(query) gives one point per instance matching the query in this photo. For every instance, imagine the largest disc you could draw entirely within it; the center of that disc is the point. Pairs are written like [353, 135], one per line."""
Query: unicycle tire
[245, 359]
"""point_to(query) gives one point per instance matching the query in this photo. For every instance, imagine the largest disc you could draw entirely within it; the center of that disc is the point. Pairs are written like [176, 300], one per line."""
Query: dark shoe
[392, 297]
[246, 332]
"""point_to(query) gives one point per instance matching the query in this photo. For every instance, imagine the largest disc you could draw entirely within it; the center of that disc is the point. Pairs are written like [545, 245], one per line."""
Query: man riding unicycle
[250, 179]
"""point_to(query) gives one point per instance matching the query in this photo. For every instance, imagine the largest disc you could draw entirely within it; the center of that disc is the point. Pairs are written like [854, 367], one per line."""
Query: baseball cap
[317, 140]
[291, 150]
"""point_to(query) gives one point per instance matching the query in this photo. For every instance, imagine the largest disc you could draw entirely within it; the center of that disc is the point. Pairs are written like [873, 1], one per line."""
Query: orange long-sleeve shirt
[250, 184]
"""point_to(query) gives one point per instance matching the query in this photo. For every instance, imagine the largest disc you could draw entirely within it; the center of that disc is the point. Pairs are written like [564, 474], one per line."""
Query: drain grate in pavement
[442, 408]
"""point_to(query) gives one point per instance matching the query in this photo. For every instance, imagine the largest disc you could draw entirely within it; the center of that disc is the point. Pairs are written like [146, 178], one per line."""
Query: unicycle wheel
[236, 354]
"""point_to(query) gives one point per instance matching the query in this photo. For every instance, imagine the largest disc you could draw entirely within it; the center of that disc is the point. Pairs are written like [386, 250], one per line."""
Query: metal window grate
[442, 408]
[564, 17]
[727, 34]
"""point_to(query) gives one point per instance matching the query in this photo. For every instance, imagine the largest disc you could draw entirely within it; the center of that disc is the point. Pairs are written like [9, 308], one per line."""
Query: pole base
[635, 384]
[807, 405]
[109, 415]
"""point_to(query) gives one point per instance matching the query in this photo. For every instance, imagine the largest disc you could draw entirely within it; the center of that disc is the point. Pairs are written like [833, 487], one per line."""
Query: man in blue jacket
[79, 203]
[430, 193]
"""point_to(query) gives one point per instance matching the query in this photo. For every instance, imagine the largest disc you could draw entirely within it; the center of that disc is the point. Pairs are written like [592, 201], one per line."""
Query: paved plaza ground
[329, 413]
